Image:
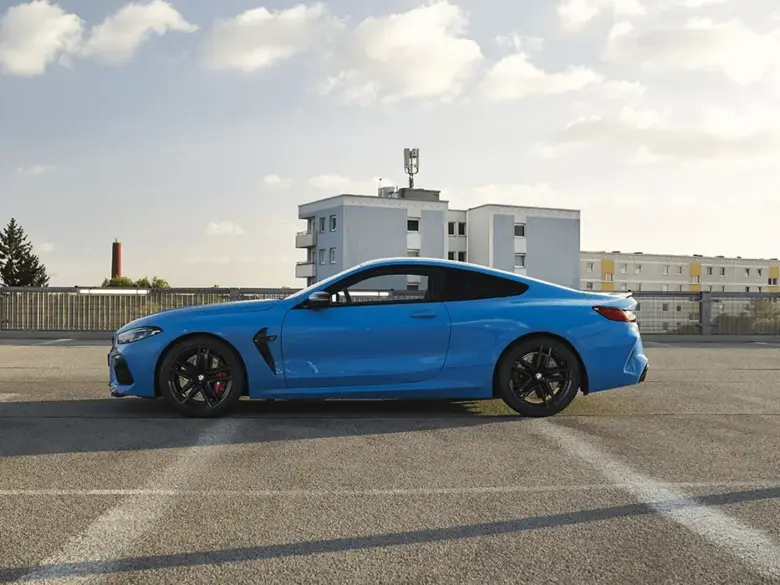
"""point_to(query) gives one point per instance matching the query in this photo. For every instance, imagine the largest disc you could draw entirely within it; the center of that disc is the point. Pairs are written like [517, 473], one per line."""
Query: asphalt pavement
[673, 481]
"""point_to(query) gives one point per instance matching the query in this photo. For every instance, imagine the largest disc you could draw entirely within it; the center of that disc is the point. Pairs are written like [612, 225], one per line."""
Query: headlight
[137, 334]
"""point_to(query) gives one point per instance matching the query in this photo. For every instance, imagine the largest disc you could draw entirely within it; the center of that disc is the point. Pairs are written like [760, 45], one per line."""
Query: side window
[383, 286]
[468, 285]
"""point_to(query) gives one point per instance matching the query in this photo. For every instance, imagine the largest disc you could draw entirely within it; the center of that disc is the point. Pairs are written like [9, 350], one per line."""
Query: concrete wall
[479, 241]
[504, 242]
[327, 240]
[434, 234]
[375, 233]
[553, 250]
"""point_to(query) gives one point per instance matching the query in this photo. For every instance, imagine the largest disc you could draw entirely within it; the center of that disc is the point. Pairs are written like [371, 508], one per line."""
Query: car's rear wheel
[202, 376]
[538, 377]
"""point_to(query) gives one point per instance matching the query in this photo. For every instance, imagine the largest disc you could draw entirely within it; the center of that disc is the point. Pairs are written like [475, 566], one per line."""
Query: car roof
[441, 262]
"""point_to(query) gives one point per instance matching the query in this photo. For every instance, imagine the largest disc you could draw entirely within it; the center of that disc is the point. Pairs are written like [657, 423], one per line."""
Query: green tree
[144, 282]
[19, 266]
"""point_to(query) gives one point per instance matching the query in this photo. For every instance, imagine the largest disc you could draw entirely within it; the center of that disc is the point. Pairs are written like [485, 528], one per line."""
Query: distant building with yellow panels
[621, 271]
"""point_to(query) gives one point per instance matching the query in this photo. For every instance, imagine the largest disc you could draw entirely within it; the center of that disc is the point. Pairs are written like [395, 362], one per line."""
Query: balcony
[304, 240]
[305, 269]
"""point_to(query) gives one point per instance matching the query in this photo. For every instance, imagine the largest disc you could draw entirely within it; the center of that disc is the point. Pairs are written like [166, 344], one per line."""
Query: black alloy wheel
[539, 377]
[202, 376]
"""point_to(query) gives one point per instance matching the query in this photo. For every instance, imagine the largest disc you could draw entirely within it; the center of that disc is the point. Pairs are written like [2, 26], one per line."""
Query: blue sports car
[397, 328]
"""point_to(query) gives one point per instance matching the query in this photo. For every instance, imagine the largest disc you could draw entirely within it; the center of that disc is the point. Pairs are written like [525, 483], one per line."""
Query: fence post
[705, 313]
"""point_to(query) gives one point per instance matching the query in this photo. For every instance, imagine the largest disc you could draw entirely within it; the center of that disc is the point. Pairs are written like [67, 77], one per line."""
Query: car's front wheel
[201, 376]
[538, 377]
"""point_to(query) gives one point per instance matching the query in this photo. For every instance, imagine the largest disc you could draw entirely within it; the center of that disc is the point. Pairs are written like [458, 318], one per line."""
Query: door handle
[423, 315]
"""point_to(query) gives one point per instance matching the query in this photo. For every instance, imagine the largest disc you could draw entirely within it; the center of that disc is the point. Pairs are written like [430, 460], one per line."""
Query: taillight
[615, 314]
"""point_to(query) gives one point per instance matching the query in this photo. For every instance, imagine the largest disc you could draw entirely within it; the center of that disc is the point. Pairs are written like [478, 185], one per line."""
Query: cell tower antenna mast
[411, 164]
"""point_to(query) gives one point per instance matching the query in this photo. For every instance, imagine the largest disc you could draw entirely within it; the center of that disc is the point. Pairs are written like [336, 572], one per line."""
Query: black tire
[554, 384]
[212, 366]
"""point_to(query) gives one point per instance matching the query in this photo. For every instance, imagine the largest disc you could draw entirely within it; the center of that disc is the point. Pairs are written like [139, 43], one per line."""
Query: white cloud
[118, 38]
[575, 14]
[422, 54]
[224, 228]
[35, 170]
[277, 181]
[622, 89]
[540, 194]
[712, 135]
[515, 77]
[260, 38]
[731, 47]
[691, 3]
[337, 184]
[47, 247]
[34, 35]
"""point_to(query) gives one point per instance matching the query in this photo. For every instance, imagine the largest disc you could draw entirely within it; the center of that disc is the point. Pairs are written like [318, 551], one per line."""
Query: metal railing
[99, 309]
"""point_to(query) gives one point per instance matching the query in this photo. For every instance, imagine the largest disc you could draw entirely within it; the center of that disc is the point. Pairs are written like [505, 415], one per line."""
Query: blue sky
[191, 130]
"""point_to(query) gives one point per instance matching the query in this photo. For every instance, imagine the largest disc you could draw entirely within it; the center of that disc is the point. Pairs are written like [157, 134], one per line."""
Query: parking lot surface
[673, 481]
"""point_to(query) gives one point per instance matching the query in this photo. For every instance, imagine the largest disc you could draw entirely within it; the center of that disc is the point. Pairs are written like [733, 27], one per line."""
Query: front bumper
[131, 368]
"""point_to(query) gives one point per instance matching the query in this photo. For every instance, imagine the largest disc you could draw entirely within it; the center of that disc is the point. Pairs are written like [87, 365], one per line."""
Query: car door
[377, 339]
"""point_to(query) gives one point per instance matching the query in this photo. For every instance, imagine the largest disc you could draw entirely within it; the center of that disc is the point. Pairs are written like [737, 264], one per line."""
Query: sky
[190, 130]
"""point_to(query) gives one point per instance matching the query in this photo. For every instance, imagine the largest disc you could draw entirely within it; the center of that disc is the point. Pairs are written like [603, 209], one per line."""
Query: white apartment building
[622, 271]
[346, 230]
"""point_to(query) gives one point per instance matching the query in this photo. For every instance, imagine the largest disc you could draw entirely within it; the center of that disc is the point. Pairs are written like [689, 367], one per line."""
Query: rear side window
[467, 285]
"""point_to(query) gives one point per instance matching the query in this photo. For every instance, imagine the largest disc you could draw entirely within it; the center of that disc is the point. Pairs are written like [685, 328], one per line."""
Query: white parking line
[54, 341]
[405, 492]
[754, 547]
[114, 532]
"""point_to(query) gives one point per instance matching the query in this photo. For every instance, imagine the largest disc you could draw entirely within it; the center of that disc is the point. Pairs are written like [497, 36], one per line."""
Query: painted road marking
[476, 490]
[113, 533]
[54, 341]
[754, 547]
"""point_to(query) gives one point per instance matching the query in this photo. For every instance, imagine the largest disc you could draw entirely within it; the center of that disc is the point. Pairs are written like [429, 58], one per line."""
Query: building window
[747, 271]
[623, 268]
[322, 255]
[333, 223]
[709, 270]
[413, 225]
[519, 230]
[461, 256]
[679, 270]
[450, 255]
[462, 228]
[665, 287]
[772, 282]
[322, 225]
[607, 277]
[638, 269]
[666, 270]
[623, 286]
[723, 272]
[638, 286]
[413, 253]
[588, 286]
[519, 260]
[589, 267]
[747, 289]
[695, 279]
[451, 228]
[760, 272]
[333, 255]
[665, 307]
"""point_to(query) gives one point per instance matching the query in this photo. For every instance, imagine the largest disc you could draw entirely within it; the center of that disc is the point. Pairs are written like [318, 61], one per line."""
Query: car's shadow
[133, 424]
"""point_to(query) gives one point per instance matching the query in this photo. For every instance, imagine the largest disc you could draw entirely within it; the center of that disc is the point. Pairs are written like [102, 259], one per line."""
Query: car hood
[216, 309]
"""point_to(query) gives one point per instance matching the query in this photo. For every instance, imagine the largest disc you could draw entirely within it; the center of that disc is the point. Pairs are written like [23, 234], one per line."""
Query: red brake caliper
[219, 387]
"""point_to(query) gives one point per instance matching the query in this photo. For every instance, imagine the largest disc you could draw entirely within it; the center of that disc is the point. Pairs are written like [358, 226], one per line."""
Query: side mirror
[318, 300]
